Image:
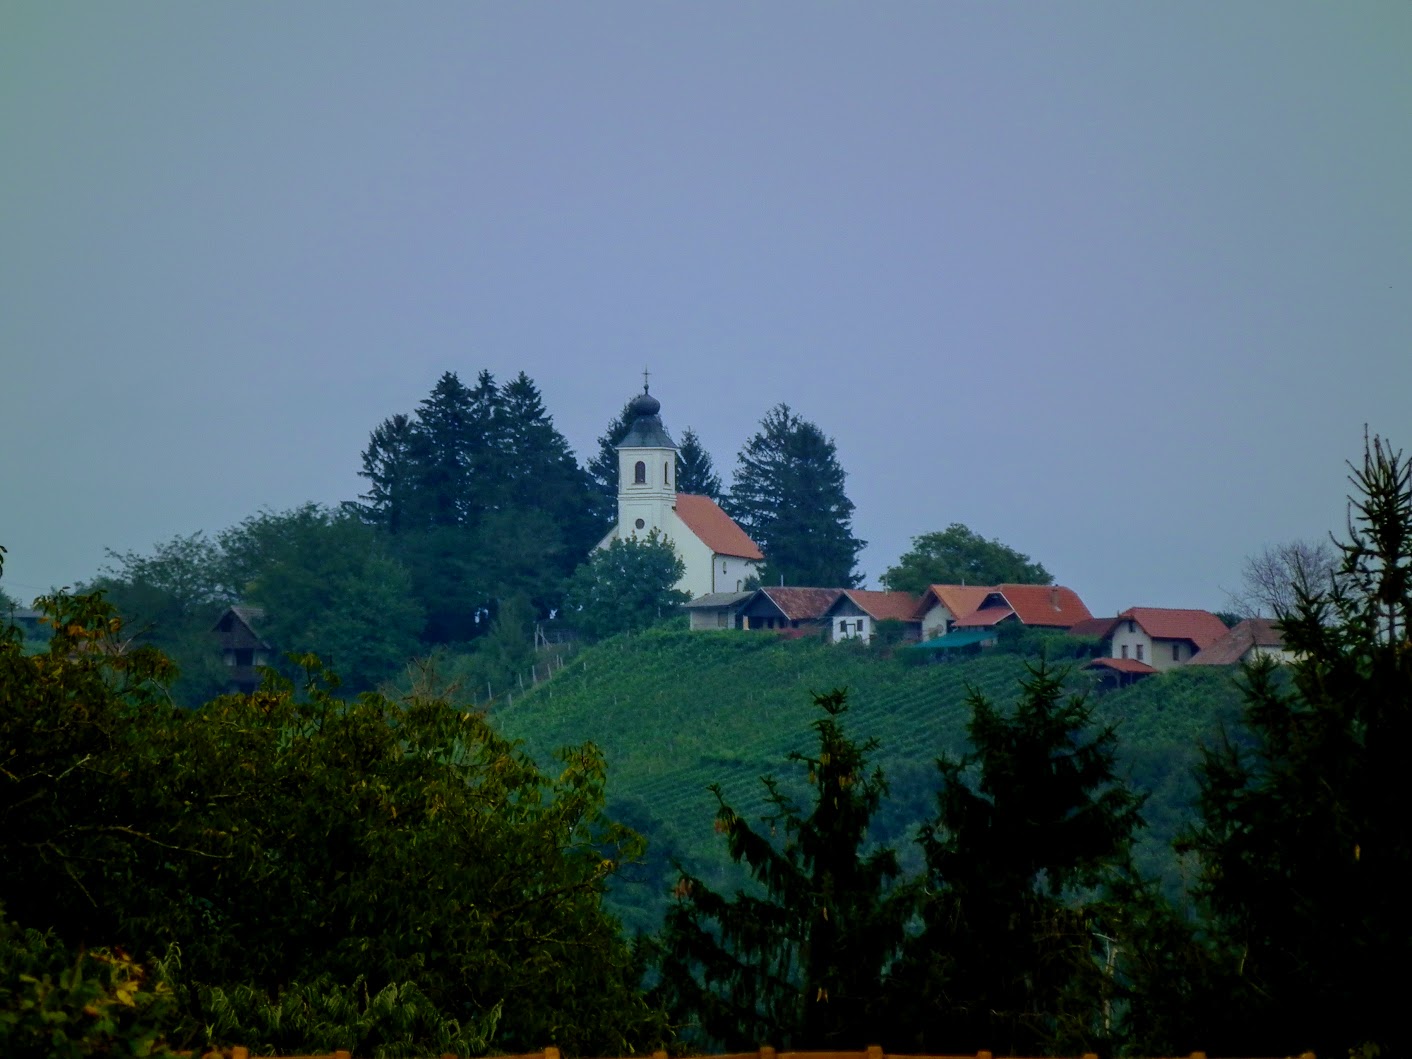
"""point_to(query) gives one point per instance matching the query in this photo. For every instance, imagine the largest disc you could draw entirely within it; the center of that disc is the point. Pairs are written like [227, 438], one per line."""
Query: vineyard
[675, 711]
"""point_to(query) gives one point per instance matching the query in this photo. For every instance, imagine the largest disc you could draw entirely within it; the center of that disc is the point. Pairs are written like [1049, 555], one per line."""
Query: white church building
[717, 553]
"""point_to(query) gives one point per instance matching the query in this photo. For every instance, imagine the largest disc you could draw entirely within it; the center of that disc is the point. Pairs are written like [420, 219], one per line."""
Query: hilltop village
[721, 577]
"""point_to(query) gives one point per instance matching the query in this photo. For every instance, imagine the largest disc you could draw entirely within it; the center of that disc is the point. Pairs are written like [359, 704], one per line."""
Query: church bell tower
[647, 471]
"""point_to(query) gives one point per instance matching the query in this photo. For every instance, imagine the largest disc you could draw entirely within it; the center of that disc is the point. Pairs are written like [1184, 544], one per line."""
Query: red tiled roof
[717, 530]
[803, 604]
[979, 619]
[1051, 605]
[1099, 627]
[1121, 665]
[1201, 627]
[884, 606]
[1230, 648]
[959, 599]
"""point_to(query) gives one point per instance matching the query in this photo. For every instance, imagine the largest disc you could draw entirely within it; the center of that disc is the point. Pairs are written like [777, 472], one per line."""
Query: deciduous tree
[788, 495]
[625, 587]
[959, 556]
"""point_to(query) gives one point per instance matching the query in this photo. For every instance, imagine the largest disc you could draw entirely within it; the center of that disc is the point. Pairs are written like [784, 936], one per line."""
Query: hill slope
[674, 711]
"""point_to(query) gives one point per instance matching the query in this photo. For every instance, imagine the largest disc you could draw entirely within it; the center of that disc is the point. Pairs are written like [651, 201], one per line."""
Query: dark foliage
[1027, 823]
[1304, 838]
[788, 495]
[802, 964]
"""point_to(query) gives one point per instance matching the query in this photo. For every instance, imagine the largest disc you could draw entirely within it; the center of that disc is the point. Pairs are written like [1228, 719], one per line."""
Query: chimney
[1054, 597]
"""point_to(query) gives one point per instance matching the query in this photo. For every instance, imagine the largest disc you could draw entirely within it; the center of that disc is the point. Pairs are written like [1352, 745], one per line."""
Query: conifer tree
[1026, 823]
[390, 465]
[788, 495]
[695, 472]
[603, 469]
[804, 964]
[1304, 837]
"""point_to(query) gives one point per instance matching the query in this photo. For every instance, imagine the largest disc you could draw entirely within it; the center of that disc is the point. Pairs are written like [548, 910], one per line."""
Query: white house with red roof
[941, 606]
[718, 555]
[1163, 637]
[857, 611]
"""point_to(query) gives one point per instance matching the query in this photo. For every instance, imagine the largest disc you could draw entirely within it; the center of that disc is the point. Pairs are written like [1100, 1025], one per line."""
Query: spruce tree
[803, 964]
[1027, 823]
[390, 464]
[1304, 836]
[788, 495]
[695, 472]
[603, 469]
[447, 429]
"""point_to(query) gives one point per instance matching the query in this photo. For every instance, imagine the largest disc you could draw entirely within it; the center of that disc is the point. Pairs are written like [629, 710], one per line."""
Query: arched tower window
[639, 473]
[666, 474]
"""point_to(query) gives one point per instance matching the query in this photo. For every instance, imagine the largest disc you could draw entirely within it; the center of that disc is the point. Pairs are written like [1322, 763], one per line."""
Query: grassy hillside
[675, 711]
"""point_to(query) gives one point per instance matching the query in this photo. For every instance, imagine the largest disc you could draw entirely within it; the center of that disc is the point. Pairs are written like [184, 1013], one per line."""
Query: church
[717, 553]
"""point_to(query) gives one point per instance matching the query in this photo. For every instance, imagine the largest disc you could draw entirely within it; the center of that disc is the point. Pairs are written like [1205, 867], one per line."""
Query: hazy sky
[1119, 284]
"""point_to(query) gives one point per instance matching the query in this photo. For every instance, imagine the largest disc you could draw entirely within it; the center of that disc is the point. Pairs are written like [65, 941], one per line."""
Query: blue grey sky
[1119, 284]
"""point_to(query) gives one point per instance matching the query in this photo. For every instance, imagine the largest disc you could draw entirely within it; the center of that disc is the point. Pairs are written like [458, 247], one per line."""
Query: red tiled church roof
[717, 530]
[1201, 627]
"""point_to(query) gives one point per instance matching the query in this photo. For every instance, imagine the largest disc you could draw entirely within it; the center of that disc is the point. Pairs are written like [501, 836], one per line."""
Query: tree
[803, 964]
[603, 469]
[1271, 581]
[625, 587]
[959, 556]
[390, 463]
[390, 869]
[1305, 844]
[170, 599]
[788, 495]
[329, 586]
[1027, 823]
[695, 473]
[539, 471]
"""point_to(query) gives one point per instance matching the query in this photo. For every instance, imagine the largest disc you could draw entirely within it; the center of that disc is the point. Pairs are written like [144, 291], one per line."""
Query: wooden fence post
[875, 1051]
[766, 1052]
[551, 1052]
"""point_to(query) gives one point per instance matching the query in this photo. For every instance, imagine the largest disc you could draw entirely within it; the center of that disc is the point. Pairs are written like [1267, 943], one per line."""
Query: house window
[1176, 652]
[639, 473]
[1132, 627]
[245, 656]
[723, 566]
[639, 524]
[721, 620]
[843, 626]
[1125, 650]
[666, 474]
[1139, 652]
[737, 586]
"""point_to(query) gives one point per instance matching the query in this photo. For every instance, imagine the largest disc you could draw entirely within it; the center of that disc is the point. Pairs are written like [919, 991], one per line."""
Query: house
[1252, 639]
[718, 555]
[1034, 606]
[716, 610]
[243, 649]
[942, 605]
[1119, 672]
[855, 614]
[798, 609]
[1164, 637]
